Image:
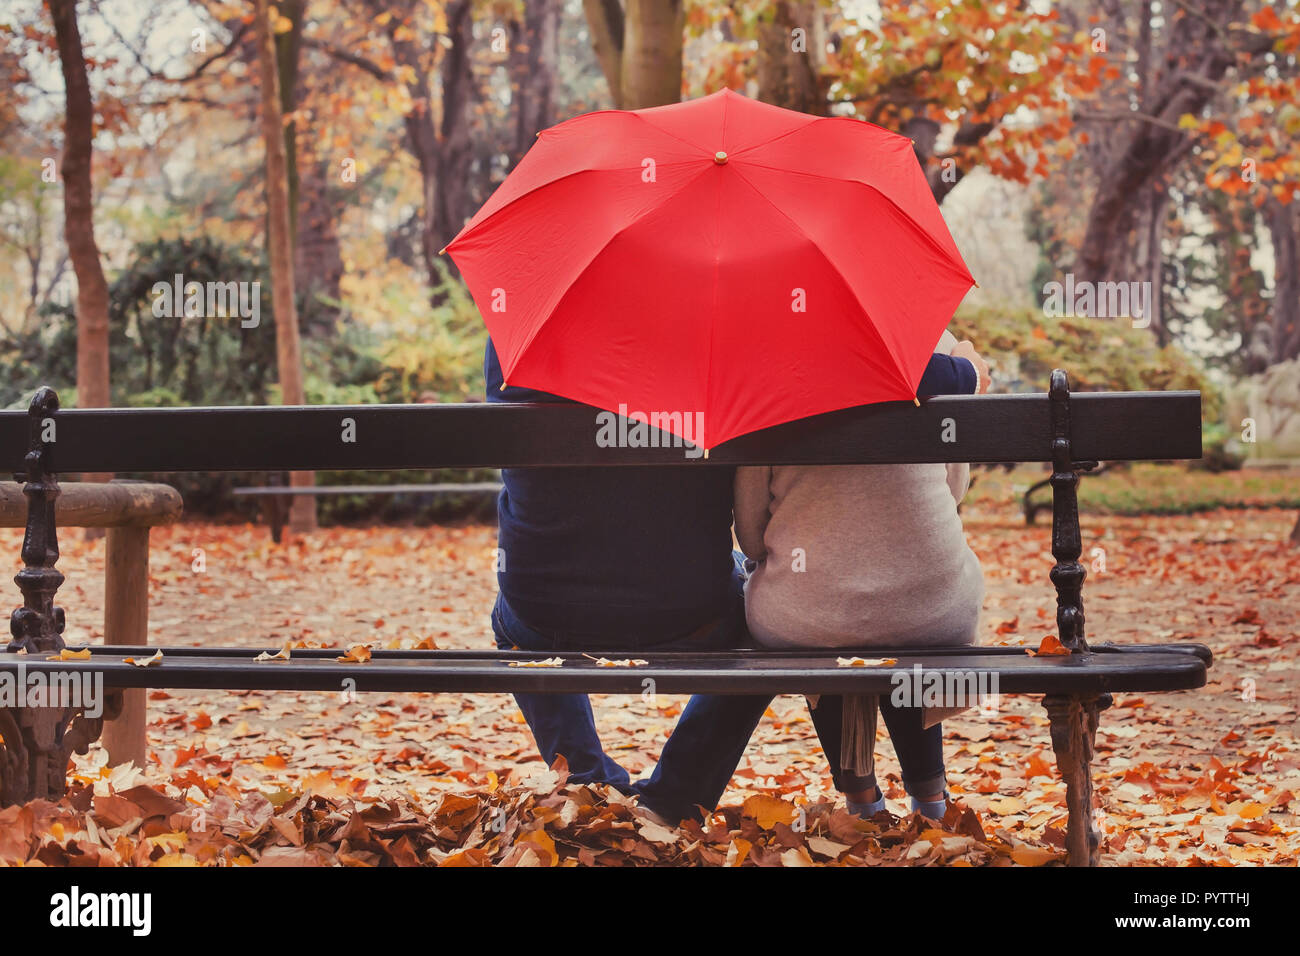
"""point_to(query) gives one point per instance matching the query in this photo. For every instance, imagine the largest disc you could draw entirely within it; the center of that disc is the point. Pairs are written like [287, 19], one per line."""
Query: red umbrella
[721, 260]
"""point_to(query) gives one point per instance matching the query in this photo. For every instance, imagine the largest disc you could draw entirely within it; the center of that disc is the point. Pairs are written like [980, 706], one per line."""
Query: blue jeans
[705, 747]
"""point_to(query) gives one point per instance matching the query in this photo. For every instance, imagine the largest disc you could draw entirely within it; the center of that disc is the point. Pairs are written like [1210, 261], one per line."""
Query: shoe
[868, 810]
[933, 810]
[645, 813]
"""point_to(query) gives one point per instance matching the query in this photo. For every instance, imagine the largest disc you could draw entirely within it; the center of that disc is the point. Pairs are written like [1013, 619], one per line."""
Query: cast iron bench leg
[37, 744]
[1074, 734]
[38, 740]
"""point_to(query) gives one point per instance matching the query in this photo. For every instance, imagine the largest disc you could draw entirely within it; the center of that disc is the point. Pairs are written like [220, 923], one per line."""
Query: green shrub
[1022, 347]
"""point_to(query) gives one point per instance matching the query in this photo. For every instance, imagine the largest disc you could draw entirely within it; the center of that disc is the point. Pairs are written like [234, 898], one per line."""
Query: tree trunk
[453, 202]
[318, 253]
[79, 211]
[1150, 145]
[787, 65]
[288, 45]
[1153, 261]
[302, 516]
[605, 24]
[1286, 280]
[79, 222]
[534, 53]
[652, 53]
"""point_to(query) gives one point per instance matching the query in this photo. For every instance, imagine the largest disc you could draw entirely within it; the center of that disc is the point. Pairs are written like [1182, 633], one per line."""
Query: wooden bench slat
[719, 672]
[1199, 651]
[990, 428]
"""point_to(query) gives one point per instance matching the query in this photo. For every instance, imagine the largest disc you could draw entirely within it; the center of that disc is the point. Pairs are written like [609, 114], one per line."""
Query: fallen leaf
[549, 662]
[768, 811]
[146, 662]
[1032, 856]
[606, 662]
[1050, 646]
[355, 654]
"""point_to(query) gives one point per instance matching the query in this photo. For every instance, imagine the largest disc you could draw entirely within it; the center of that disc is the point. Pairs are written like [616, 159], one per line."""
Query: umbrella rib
[519, 354]
[897, 366]
[813, 120]
[657, 127]
[551, 182]
[921, 230]
[713, 298]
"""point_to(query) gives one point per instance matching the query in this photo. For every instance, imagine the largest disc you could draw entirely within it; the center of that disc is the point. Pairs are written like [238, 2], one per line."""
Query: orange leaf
[1051, 646]
[768, 811]
[542, 840]
[737, 852]
[1032, 856]
[355, 654]
[1036, 766]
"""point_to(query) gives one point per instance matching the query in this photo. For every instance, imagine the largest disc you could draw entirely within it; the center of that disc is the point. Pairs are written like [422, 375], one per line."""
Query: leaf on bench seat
[145, 662]
[1050, 646]
[67, 654]
[549, 662]
[866, 661]
[606, 662]
[282, 655]
[355, 654]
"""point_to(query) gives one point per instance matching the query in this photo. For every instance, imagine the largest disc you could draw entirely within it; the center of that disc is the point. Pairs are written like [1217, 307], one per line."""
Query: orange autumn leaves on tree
[968, 66]
[1247, 142]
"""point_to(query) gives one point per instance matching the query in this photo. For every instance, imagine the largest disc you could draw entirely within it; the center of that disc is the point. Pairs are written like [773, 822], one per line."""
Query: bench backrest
[1110, 426]
[1070, 431]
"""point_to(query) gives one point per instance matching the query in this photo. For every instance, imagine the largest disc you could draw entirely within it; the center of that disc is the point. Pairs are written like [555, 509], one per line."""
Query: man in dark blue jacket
[626, 560]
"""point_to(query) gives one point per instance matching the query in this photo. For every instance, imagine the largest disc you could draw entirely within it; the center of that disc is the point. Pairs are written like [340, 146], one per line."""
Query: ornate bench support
[1073, 718]
[39, 739]
[1074, 731]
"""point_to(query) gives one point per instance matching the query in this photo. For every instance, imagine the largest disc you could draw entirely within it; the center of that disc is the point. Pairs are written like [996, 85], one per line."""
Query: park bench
[1067, 430]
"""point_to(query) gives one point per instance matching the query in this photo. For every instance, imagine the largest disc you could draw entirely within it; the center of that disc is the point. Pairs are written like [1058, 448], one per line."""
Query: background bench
[276, 496]
[1068, 431]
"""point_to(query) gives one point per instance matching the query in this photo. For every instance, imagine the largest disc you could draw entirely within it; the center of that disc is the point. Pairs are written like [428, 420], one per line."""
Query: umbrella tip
[976, 281]
[916, 401]
[502, 388]
[442, 250]
[720, 158]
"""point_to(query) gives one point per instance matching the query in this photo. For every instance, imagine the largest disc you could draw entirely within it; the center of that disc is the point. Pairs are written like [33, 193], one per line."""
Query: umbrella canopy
[721, 262]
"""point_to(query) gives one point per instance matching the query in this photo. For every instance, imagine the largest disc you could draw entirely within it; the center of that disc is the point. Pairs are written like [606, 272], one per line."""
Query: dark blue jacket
[627, 555]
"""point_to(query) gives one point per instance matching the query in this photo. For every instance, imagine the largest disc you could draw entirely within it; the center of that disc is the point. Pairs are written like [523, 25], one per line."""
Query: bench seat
[1102, 669]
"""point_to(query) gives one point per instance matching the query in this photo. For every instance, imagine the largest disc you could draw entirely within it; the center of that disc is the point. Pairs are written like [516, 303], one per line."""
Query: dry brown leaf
[356, 653]
[768, 811]
[549, 662]
[146, 662]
